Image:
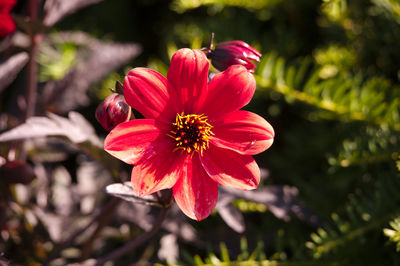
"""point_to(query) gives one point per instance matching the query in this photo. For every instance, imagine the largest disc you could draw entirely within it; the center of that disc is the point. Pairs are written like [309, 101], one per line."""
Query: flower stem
[32, 81]
[210, 46]
[136, 242]
[107, 209]
[103, 220]
[32, 65]
[208, 50]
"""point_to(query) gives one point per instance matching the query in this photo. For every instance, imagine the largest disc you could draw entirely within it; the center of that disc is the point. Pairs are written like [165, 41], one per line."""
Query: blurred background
[328, 82]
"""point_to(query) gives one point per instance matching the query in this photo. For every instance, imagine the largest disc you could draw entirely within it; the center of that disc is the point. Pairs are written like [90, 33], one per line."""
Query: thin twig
[136, 242]
[113, 203]
[103, 221]
[32, 65]
[32, 81]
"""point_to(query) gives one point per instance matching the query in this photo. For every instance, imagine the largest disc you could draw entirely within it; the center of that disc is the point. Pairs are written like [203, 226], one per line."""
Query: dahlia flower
[194, 136]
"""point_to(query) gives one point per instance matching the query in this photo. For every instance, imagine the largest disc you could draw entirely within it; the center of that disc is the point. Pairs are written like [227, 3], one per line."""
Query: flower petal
[129, 140]
[146, 91]
[195, 192]
[231, 169]
[157, 169]
[228, 91]
[187, 76]
[243, 132]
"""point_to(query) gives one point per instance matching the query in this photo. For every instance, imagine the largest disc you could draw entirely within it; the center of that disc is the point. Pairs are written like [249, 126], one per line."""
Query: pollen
[191, 133]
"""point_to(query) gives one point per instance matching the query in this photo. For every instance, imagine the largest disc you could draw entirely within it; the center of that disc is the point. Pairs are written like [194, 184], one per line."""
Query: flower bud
[7, 24]
[113, 111]
[231, 53]
[16, 172]
[7, 5]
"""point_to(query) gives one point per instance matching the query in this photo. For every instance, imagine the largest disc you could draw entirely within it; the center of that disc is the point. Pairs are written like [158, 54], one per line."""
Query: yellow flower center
[191, 133]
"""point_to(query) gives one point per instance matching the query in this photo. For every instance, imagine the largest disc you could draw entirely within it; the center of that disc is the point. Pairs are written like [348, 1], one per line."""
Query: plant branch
[32, 81]
[32, 65]
[110, 206]
[136, 242]
[104, 219]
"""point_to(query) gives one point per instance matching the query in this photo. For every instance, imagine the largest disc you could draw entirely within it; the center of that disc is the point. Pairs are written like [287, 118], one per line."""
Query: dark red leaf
[11, 67]
[55, 10]
[76, 128]
[96, 60]
[230, 214]
[280, 200]
[125, 192]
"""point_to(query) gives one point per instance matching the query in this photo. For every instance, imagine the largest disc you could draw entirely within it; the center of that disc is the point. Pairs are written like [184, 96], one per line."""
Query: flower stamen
[191, 133]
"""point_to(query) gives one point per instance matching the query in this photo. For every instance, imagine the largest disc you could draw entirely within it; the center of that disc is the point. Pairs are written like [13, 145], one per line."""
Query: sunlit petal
[231, 169]
[195, 192]
[243, 132]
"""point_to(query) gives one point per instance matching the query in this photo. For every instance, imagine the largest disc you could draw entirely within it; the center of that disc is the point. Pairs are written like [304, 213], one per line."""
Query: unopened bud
[113, 111]
[7, 24]
[14, 172]
[7, 5]
[231, 53]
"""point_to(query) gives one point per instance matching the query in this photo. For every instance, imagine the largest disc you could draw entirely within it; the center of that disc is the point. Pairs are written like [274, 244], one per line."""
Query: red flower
[113, 111]
[7, 24]
[231, 53]
[194, 136]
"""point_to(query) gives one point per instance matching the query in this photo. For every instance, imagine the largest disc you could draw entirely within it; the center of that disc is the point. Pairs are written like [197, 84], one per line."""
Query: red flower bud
[7, 5]
[7, 24]
[113, 111]
[231, 53]
[14, 172]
